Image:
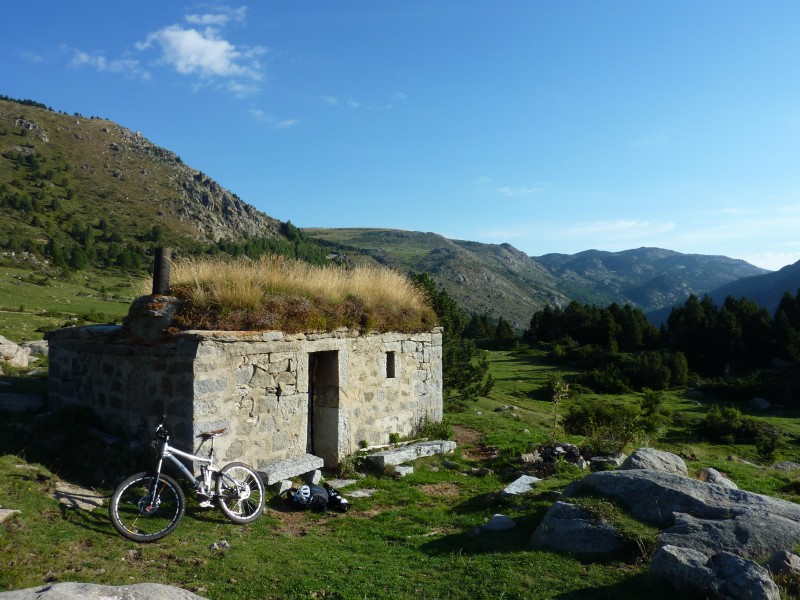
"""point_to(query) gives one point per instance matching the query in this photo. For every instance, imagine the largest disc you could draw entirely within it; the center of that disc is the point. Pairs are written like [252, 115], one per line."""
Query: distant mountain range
[76, 182]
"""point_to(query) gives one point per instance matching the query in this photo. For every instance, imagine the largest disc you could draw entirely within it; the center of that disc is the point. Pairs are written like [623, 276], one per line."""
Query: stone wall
[278, 395]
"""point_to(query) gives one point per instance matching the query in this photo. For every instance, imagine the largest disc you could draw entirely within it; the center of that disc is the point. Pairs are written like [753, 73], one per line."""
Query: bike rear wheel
[141, 516]
[240, 492]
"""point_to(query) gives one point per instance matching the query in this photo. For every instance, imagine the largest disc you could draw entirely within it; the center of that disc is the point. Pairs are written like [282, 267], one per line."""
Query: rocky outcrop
[570, 529]
[712, 531]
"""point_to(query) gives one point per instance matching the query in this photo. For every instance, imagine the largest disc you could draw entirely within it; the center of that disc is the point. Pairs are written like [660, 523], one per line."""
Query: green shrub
[609, 426]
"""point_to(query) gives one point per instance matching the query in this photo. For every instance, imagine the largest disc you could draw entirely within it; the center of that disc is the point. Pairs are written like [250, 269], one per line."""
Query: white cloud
[512, 192]
[203, 53]
[622, 228]
[219, 19]
[126, 66]
[262, 117]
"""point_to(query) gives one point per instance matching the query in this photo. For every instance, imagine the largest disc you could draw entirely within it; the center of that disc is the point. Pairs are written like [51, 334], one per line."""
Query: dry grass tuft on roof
[276, 293]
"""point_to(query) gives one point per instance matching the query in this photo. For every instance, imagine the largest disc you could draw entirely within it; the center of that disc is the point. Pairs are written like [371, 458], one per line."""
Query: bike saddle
[208, 435]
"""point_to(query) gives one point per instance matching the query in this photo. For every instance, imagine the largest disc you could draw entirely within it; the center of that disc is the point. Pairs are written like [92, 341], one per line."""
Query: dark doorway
[323, 406]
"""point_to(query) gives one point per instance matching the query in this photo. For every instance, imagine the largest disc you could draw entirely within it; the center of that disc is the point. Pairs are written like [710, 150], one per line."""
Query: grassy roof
[276, 293]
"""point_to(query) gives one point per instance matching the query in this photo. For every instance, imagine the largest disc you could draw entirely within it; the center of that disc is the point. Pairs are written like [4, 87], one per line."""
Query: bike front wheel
[142, 511]
[240, 492]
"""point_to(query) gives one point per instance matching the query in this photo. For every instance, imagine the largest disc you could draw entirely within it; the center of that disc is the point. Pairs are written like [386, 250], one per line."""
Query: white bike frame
[207, 469]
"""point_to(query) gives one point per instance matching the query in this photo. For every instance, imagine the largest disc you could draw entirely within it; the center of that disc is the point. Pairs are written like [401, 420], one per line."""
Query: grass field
[31, 303]
[414, 538]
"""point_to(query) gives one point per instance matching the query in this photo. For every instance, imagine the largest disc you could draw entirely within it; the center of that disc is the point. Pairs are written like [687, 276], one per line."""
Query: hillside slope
[66, 178]
[483, 278]
[765, 290]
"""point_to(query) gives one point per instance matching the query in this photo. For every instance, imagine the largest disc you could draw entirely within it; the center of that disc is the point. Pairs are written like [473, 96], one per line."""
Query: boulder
[684, 568]
[710, 475]
[658, 460]
[37, 347]
[570, 529]
[88, 591]
[724, 575]
[751, 534]
[740, 579]
[601, 463]
[398, 456]
[499, 523]
[783, 564]
[653, 496]
[12, 354]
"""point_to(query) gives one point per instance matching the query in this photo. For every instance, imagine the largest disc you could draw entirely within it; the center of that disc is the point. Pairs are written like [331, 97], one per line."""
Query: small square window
[390, 367]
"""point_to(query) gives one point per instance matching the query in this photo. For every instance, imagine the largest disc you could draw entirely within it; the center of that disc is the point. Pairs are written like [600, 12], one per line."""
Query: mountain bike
[148, 506]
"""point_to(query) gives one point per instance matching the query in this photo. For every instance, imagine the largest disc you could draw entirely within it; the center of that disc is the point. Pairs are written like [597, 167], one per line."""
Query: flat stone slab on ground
[366, 493]
[7, 513]
[278, 470]
[522, 485]
[338, 484]
[398, 456]
[74, 496]
[89, 591]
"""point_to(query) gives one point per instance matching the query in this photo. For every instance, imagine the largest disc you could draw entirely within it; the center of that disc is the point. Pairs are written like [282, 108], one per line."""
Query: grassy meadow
[33, 302]
[414, 538]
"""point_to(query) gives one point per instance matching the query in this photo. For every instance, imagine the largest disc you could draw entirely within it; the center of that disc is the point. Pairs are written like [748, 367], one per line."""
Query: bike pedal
[206, 504]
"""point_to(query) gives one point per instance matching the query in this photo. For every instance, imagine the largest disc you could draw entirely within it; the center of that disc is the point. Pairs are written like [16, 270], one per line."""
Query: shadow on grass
[642, 585]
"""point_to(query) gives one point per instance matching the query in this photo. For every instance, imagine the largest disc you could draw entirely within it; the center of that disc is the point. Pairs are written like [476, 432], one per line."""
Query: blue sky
[553, 126]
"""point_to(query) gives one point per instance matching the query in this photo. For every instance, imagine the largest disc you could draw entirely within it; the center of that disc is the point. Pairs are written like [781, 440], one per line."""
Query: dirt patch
[441, 489]
[472, 446]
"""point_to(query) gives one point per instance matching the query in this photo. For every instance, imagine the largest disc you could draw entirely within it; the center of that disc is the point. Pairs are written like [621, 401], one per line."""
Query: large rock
[570, 529]
[12, 354]
[724, 575]
[653, 497]
[683, 568]
[658, 460]
[38, 347]
[740, 579]
[88, 591]
[751, 534]
[713, 476]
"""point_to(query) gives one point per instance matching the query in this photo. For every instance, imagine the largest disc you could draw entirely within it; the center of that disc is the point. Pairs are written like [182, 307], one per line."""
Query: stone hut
[311, 397]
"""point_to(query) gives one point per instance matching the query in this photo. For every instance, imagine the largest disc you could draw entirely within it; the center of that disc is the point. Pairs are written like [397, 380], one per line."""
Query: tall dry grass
[274, 292]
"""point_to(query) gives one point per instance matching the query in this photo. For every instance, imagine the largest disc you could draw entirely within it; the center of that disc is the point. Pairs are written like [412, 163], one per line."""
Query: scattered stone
[710, 475]
[522, 485]
[449, 464]
[499, 523]
[570, 529]
[338, 484]
[365, 493]
[505, 408]
[785, 466]
[37, 347]
[582, 463]
[219, 546]
[531, 458]
[89, 591]
[403, 470]
[658, 460]
[602, 463]
[481, 472]
[7, 513]
[398, 456]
